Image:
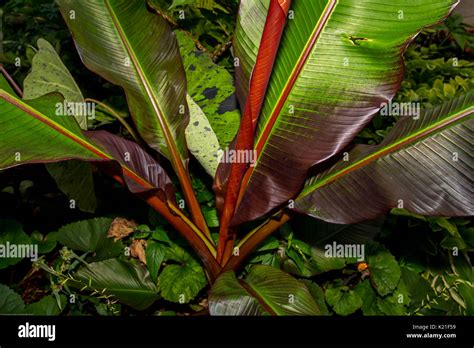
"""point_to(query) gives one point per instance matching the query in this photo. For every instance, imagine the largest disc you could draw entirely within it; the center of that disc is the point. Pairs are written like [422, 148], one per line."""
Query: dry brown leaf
[137, 250]
[204, 303]
[121, 228]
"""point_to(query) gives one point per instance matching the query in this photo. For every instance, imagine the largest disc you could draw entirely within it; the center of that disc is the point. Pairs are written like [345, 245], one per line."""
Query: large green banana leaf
[338, 61]
[425, 165]
[32, 132]
[265, 291]
[128, 45]
[248, 33]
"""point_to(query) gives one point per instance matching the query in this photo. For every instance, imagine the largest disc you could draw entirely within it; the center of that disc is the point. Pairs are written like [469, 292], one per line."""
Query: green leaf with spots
[11, 235]
[181, 282]
[384, 269]
[201, 139]
[48, 75]
[10, 301]
[343, 300]
[212, 88]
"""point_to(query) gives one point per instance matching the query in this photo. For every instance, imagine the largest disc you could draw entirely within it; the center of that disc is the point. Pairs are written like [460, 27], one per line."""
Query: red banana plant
[274, 25]
[311, 75]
